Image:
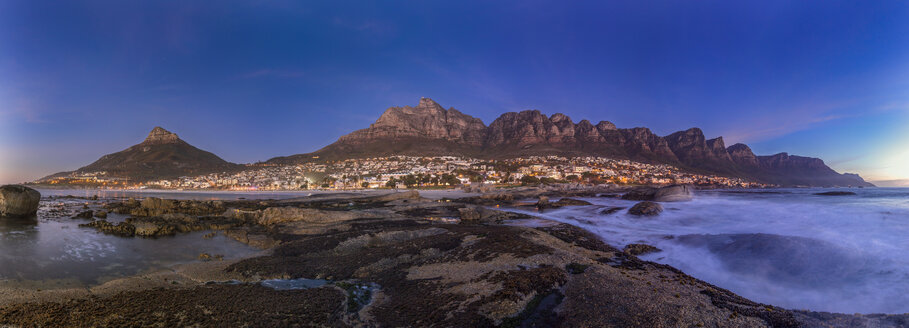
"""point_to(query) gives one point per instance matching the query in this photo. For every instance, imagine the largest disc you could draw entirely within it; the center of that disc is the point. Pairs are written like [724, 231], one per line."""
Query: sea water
[52, 251]
[786, 247]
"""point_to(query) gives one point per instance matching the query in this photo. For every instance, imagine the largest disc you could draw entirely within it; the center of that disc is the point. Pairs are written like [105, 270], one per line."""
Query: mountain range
[428, 129]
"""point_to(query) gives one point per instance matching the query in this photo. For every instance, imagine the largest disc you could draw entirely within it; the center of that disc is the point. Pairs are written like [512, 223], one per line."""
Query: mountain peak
[159, 135]
[428, 103]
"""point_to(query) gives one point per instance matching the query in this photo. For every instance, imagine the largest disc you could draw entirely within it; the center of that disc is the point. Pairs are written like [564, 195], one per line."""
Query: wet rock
[836, 193]
[153, 229]
[18, 201]
[85, 215]
[640, 249]
[646, 209]
[122, 229]
[101, 214]
[674, 193]
[543, 203]
[611, 210]
[571, 202]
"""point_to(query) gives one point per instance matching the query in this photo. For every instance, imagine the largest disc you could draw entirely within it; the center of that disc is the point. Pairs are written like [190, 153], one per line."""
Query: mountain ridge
[428, 129]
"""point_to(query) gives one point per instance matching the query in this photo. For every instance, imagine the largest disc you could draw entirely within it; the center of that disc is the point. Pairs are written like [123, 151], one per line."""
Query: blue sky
[257, 79]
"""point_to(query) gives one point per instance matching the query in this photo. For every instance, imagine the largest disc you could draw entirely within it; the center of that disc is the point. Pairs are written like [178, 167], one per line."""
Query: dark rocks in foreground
[646, 209]
[204, 306]
[18, 201]
[421, 271]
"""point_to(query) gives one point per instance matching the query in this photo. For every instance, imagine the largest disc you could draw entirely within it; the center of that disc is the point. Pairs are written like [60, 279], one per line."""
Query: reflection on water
[55, 251]
[786, 247]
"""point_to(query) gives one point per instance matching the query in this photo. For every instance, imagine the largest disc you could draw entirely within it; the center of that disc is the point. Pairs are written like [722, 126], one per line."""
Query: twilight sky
[257, 79]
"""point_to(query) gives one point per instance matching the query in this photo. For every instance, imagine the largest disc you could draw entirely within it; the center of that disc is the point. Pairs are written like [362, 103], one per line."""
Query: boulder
[646, 208]
[18, 201]
[640, 249]
[611, 210]
[674, 193]
[571, 202]
[101, 214]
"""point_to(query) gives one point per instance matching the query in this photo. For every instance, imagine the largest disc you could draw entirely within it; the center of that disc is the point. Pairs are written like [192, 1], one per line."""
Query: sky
[251, 80]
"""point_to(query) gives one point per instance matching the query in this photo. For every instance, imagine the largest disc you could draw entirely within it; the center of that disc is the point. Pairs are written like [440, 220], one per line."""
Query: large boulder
[18, 201]
[674, 193]
[646, 209]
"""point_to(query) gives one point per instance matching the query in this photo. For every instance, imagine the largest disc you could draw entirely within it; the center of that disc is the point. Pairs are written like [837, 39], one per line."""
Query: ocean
[786, 247]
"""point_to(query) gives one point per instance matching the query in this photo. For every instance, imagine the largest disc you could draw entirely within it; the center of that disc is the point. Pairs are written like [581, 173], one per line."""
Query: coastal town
[398, 172]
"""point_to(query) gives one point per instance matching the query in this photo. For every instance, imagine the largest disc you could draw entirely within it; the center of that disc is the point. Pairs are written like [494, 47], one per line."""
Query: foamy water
[788, 247]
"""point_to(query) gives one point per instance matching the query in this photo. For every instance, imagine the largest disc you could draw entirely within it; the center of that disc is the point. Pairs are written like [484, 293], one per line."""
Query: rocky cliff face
[160, 136]
[530, 128]
[161, 155]
[428, 120]
[429, 129]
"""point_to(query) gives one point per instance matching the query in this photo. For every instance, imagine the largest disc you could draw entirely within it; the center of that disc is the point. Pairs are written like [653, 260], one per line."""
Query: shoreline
[391, 211]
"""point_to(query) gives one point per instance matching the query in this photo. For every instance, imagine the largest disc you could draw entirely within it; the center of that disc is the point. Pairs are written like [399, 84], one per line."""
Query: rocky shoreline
[400, 259]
